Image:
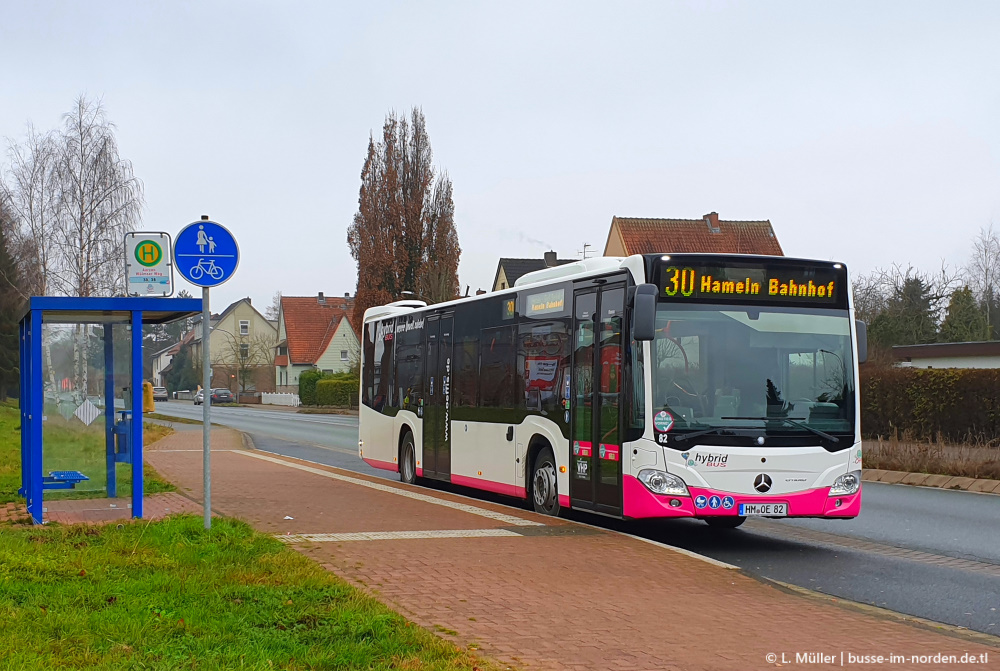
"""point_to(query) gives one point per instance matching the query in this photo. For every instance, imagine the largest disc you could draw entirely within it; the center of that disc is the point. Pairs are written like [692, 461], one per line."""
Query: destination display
[745, 283]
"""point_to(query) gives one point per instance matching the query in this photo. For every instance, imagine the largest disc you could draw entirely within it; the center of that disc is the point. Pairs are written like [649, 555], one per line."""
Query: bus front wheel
[407, 461]
[544, 489]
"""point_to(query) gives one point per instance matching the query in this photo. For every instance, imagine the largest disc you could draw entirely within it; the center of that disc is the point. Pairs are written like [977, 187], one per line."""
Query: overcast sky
[868, 132]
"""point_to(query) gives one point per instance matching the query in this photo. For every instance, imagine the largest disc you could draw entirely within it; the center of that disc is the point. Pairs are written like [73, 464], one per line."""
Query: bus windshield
[777, 371]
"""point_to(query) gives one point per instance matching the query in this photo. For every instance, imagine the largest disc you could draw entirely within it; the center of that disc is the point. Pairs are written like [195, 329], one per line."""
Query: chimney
[712, 221]
[347, 294]
[550, 259]
[321, 299]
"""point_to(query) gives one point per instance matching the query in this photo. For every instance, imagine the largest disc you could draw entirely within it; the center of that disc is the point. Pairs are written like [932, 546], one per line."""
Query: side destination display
[740, 282]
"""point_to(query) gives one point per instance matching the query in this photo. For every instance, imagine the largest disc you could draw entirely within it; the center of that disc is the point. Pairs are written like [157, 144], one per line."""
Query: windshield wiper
[678, 438]
[791, 420]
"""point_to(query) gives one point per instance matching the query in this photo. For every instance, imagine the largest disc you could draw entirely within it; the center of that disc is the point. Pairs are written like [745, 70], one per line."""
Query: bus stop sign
[206, 254]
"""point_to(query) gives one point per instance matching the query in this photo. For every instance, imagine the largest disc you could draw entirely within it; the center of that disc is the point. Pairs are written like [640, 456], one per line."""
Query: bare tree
[439, 280]
[983, 269]
[272, 310]
[243, 357]
[31, 194]
[100, 200]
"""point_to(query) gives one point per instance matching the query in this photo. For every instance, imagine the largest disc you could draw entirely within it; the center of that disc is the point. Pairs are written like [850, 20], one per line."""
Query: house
[241, 348]
[949, 355]
[314, 333]
[509, 270]
[709, 235]
[161, 363]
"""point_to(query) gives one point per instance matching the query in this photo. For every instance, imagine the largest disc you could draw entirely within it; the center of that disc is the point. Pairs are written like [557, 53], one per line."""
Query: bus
[715, 387]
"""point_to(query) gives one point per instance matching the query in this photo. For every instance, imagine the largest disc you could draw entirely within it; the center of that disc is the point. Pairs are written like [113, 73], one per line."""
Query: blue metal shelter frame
[42, 309]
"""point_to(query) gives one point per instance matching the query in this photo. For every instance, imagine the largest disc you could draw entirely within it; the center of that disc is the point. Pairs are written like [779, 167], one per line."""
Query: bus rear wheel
[407, 461]
[544, 489]
[725, 522]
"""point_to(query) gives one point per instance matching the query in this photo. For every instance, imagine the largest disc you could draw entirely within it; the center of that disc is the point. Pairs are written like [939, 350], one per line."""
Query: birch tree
[100, 200]
[983, 272]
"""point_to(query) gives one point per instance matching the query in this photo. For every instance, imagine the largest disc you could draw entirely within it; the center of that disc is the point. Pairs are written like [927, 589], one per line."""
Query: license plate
[766, 509]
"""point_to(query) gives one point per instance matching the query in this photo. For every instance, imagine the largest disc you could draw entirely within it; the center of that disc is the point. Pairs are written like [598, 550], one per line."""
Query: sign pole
[206, 404]
[206, 255]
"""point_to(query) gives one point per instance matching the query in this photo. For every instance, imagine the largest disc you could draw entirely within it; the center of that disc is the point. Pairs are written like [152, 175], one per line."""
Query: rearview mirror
[862, 329]
[644, 312]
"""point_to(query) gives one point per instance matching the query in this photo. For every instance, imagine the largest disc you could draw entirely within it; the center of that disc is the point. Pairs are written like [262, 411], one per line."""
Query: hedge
[307, 386]
[342, 392]
[310, 380]
[950, 404]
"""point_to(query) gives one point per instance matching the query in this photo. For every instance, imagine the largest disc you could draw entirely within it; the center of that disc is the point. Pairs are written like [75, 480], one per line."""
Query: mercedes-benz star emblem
[762, 483]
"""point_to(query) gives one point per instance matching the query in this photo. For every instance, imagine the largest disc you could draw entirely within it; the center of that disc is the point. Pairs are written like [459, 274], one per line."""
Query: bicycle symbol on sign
[207, 268]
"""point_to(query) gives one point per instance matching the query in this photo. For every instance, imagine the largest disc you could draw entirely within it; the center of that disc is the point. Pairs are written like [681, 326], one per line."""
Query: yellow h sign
[148, 253]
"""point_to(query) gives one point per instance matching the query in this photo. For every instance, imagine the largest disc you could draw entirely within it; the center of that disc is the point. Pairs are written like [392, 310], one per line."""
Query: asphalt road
[926, 552]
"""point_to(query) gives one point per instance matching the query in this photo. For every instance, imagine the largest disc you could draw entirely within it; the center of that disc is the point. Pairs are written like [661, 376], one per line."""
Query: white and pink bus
[714, 387]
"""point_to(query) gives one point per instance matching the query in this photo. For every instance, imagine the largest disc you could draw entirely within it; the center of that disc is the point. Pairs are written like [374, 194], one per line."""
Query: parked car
[160, 394]
[222, 396]
[199, 398]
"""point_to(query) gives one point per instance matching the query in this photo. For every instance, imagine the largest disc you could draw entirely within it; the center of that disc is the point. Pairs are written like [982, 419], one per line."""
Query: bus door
[437, 395]
[595, 446]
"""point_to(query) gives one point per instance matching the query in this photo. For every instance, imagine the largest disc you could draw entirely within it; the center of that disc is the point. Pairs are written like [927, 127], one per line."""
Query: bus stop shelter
[81, 361]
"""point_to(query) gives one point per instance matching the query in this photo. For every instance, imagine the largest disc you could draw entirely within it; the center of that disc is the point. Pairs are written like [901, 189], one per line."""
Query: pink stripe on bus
[489, 485]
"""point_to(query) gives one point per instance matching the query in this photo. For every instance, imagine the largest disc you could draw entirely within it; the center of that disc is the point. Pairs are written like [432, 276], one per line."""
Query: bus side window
[466, 385]
[409, 363]
[368, 354]
[498, 375]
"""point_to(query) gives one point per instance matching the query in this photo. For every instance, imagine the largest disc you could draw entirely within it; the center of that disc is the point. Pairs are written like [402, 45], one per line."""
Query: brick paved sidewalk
[533, 591]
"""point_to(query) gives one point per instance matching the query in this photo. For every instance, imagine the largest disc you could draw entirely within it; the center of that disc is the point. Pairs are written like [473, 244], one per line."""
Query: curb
[980, 485]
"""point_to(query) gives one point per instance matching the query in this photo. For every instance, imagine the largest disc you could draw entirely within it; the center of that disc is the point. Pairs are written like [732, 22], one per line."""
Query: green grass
[70, 445]
[171, 595]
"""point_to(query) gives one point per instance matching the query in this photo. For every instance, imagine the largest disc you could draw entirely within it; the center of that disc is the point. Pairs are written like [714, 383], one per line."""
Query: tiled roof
[310, 325]
[513, 269]
[655, 236]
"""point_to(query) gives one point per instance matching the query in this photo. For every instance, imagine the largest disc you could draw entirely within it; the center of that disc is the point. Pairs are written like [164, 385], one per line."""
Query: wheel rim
[544, 488]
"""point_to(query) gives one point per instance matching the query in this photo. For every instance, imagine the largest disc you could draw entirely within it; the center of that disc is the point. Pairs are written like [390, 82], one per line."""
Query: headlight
[659, 482]
[845, 484]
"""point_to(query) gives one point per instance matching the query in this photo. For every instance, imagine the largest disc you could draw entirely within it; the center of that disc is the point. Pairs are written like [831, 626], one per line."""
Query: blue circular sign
[206, 254]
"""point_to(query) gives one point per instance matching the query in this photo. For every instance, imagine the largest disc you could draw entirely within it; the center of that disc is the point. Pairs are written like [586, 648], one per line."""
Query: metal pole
[206, 374]
[137, 413]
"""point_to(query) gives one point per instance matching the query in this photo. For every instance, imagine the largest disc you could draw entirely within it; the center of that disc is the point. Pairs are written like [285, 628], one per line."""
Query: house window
[244, 351]
[244, 327]
[343, 355]
[328, 371]
[282, 351]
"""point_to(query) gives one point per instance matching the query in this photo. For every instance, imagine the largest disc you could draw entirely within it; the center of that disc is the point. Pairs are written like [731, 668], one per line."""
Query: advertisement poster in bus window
[540, 374]
[611, 369]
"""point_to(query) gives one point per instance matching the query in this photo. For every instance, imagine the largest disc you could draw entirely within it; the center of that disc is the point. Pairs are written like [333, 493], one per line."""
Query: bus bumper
[639, 502]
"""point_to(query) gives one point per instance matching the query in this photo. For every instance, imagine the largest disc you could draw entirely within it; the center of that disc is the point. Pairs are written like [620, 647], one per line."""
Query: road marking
[397, 535]
[154, 450]
[482, 512]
